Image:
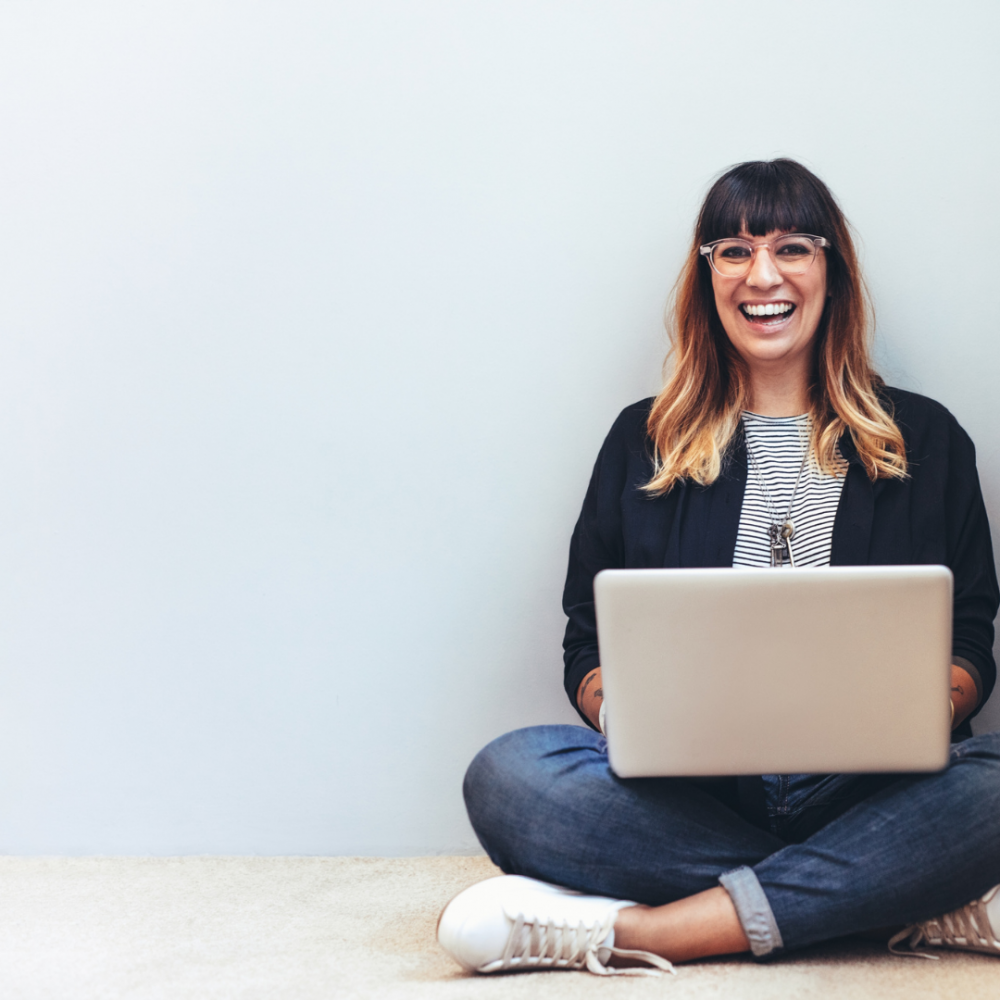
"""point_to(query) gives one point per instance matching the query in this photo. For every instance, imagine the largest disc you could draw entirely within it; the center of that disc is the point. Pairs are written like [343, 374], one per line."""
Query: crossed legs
[890, 850]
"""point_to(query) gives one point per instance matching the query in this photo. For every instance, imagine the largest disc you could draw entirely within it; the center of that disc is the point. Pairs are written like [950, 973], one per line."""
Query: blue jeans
[849, 854]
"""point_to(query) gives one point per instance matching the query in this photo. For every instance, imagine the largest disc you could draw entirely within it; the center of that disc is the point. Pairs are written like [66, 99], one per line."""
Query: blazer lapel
[708, 518]
[852, 527]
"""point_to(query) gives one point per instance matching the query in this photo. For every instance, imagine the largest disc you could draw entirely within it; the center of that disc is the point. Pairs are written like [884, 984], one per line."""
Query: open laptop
[769, 671]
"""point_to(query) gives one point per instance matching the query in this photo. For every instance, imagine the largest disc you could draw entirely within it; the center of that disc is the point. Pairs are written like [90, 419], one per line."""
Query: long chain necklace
[781, 530]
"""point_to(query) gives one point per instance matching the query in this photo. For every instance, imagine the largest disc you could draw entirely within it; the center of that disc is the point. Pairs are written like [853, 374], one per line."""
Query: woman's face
[783, 338]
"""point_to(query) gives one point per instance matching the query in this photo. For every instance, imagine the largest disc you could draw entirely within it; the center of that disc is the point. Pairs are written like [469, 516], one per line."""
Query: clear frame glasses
[793, 253]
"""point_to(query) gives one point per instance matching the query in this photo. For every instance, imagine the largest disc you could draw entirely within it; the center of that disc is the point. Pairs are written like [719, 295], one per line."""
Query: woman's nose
[763, 271]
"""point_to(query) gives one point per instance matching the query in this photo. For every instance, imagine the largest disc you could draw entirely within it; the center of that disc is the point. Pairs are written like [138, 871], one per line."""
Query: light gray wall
[312, 318]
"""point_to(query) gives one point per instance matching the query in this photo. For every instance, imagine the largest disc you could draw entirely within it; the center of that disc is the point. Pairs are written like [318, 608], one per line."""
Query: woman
[773, 414]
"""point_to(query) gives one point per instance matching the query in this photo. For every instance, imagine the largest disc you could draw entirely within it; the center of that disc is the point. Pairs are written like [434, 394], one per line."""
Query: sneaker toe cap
[473, 929]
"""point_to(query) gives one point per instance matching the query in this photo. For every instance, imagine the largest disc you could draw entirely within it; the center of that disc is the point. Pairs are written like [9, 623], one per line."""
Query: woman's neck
[779, 394]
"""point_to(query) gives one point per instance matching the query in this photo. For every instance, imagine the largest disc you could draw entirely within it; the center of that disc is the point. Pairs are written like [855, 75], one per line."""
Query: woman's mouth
[767, 313]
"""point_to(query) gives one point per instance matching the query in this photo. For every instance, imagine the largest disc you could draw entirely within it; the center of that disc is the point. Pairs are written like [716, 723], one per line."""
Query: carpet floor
[216, 928]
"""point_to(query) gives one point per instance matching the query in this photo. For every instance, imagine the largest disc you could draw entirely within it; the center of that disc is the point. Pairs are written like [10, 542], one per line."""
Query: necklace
[781, 530]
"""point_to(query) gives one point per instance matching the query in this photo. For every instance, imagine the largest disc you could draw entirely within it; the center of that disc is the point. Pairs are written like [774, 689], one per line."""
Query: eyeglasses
[793, 254]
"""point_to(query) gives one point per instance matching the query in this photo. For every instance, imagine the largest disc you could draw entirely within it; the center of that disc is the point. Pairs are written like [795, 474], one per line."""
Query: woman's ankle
[699, 926]
[629, 926]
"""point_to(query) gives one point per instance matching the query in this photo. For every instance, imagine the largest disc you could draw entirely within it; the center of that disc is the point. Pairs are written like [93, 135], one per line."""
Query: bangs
[760, 197]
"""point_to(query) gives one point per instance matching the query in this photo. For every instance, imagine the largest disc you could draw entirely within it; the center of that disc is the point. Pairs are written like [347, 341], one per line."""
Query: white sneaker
[975, 927]
[512, 923]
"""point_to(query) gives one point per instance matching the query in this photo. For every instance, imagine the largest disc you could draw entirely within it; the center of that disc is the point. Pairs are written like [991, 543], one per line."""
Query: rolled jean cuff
[754, 911]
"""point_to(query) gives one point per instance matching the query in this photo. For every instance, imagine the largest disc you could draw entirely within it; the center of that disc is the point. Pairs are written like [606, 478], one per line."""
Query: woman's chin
[769, 350]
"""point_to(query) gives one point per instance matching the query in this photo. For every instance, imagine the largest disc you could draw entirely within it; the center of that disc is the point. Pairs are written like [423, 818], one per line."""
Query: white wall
[312, 318]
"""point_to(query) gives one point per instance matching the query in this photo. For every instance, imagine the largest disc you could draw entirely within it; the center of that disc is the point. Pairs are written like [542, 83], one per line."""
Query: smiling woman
[778, 246]
[773, 443]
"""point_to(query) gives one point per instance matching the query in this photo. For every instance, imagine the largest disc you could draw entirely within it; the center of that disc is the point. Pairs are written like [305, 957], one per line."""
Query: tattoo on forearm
[583, 691]
[599, 693]
[959, 689]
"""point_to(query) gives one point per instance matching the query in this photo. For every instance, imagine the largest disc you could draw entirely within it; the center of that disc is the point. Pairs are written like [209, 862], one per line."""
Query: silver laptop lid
[761, 671]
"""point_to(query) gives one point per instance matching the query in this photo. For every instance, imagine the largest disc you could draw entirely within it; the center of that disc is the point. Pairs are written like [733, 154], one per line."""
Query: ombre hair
[696, 416]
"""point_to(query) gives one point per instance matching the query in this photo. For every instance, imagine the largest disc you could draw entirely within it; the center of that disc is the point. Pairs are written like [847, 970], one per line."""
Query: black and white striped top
[777, 445]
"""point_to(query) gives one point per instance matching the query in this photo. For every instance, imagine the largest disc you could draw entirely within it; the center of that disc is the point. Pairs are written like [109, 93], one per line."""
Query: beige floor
[206, 928]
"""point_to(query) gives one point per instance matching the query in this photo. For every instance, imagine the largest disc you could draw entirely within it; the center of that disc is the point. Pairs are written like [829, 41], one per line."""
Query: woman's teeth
[768, 309]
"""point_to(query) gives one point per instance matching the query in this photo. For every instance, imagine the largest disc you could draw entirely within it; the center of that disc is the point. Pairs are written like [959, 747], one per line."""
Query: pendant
[781, 543]
[777, 545]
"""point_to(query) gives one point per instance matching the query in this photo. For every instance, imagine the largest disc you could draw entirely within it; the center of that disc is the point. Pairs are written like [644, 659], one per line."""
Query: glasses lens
[732, 257]
[794, 254]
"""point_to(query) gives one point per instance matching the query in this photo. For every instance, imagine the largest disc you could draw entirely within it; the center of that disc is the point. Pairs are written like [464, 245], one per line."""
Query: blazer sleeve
[970, 557]
[597, 544]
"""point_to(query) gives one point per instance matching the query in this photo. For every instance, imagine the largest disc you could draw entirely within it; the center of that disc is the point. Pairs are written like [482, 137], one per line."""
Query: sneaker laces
[559, 945]
[965, 928]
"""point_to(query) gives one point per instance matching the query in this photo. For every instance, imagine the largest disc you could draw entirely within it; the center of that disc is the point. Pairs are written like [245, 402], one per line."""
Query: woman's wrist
[964, 695]
[590, 697]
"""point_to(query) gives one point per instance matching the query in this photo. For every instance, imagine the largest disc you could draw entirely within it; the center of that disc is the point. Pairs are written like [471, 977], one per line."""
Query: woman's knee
[984, 748]
[519, 758]
[506, 776]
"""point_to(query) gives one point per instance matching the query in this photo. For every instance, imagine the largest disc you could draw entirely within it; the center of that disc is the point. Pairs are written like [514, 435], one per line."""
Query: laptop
[775, 671]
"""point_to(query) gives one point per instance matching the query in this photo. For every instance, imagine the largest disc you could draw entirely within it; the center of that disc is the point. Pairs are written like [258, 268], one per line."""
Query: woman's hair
[696, 415]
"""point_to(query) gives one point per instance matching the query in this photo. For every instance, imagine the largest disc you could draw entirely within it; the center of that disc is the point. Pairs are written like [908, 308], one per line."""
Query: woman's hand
[963, 695]
[590, 696]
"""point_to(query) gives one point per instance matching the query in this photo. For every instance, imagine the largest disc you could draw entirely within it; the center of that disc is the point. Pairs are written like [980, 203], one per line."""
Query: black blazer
[936, 515]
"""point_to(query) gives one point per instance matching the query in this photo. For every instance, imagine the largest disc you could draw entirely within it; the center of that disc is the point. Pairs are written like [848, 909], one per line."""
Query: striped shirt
[777, 445]
[775, 448]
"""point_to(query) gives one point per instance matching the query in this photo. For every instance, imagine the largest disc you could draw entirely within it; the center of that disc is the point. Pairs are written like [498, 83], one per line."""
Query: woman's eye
[734, 253]
[795, 250]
